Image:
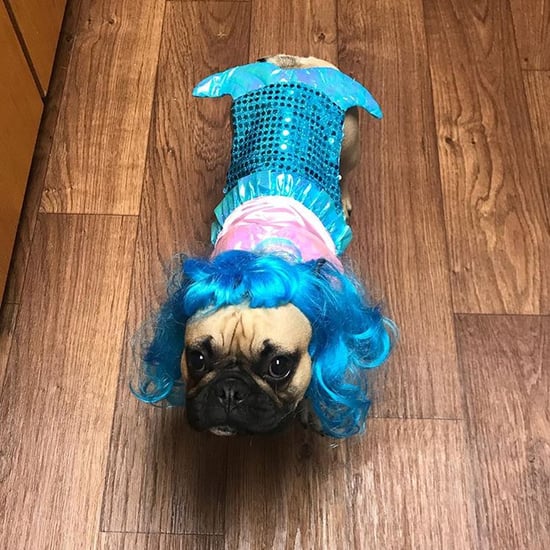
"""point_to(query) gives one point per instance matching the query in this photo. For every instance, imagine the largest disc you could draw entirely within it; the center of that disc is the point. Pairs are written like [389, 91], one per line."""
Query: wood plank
[286, 491]
[39, 24]
[29, 212]
[499, 240]
[20, 111]
[58, 396]
[418, 466]
[272, 501]
[161, 476]
[98, 154]
[532, 30]
[8, 316]
[303, 28]
[405, 485]
[398, 222]
[537, 88]
[504, 361]
[143, 541]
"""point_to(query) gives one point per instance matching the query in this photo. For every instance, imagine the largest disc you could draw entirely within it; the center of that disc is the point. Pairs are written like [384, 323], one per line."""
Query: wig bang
[349, 335]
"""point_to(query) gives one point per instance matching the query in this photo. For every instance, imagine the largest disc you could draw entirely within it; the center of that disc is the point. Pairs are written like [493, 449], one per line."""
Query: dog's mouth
[223, 430]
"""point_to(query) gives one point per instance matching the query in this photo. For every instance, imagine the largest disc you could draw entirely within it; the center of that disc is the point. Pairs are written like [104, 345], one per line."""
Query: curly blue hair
[349, 334]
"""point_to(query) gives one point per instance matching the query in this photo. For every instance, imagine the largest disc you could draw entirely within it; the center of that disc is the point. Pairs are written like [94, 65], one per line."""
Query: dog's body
[258, 345]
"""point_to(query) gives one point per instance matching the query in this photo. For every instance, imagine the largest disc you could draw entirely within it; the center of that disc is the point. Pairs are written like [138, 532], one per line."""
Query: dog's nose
[231, 392]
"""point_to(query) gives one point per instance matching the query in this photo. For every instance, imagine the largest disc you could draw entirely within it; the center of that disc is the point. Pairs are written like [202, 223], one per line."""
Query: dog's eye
[280, 367]
[196, 361]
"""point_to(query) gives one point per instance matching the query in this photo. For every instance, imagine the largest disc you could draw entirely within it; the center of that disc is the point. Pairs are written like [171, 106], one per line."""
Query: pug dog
[258, 363]
[251, 367]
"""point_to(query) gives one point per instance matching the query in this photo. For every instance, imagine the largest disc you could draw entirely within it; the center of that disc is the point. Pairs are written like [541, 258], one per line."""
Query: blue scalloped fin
[339, 87]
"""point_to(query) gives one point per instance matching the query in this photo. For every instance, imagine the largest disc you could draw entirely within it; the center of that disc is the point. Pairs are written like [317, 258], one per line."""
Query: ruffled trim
[268, 184]
[339, 87]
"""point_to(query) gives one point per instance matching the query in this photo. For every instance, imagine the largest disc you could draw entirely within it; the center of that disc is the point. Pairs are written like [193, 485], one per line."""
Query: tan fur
[240, 331]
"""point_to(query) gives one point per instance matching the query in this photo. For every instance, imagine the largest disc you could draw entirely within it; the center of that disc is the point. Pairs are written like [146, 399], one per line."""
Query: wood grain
[537, 88]
[399, 245]
[58, 395]
[405, 485]
[532, 32]
[498, 238]
[504, 361]
[20, 111]
[463, 463]
[98, 154]
[8, 316]
[39, 23]
[142, 541]
[161, 476]
[39, 167]
[297, 28]
[286, 491]
[409, 486]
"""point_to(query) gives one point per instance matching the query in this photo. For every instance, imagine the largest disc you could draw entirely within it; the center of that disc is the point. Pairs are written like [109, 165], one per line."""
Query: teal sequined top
[287, 137]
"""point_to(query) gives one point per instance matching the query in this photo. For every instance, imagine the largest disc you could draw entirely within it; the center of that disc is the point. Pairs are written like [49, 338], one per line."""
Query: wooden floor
[451, 223]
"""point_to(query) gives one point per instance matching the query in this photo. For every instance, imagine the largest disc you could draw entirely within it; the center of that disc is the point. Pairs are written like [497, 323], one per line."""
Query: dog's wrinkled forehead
[266, 346]
[243, 331]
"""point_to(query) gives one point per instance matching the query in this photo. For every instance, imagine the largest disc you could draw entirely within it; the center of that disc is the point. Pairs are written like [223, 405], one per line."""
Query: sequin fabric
[287, 128]
[287, 136]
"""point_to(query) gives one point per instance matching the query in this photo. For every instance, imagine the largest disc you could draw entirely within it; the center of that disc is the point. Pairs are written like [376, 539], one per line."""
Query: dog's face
[246, 369]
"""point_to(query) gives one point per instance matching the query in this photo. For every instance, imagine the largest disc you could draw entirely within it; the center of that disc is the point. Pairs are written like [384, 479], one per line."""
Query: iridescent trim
[238, 81]
[266, 184]
[277, 225]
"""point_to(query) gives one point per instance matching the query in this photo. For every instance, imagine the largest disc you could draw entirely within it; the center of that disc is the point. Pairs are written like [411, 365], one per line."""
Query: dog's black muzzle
[234, 403]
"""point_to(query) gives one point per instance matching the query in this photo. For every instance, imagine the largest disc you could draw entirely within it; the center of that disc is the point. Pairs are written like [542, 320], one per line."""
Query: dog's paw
[346, 205]
[308, 418]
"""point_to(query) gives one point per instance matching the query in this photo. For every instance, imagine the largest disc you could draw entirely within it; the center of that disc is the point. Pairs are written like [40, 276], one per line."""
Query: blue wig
[348, 334]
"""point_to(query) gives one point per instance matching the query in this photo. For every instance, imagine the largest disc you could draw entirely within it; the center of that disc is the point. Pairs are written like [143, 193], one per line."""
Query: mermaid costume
[287, 140]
